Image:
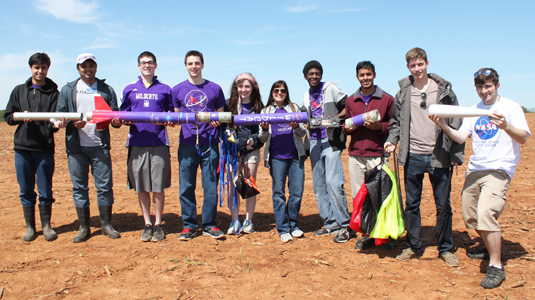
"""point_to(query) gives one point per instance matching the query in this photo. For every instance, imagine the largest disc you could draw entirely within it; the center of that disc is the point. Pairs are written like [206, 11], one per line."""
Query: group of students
[427, 144]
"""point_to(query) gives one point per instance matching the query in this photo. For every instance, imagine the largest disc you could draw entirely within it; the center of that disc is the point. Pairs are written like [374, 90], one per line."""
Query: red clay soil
[253, 266]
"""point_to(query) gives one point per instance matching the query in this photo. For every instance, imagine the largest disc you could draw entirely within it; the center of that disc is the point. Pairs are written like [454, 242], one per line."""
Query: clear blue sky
[273, 40]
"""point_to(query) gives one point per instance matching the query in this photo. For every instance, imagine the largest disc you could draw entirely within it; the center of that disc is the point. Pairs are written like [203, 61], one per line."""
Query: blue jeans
[415, 168]
[328, 180]
[286, 213]
[188, 162]
[30, 165]
[100, 161]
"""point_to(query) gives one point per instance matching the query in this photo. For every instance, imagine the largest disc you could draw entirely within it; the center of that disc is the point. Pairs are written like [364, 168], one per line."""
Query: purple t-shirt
[282, 144]
[316, 111]
[246, 108]
[196, 98]
[156, 98]
[367, 98]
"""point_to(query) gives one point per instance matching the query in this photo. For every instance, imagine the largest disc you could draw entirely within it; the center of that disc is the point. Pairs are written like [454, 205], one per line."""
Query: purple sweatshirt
[157, 98]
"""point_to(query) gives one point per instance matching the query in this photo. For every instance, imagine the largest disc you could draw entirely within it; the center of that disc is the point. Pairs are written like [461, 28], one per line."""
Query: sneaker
[406, 254]
[342, 236]
[297, 233]
[364, 242]
[286, 237]
[324, 231]
[494, 277]
[234, 228]
[387, 246]
[187, 234]
[214, 232]
[247, 227]
[481, 253]
[450, 259]
[147, 233]
[159, 234]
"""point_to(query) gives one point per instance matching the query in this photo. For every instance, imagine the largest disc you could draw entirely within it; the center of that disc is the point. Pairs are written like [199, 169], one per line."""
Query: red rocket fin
[100, 104]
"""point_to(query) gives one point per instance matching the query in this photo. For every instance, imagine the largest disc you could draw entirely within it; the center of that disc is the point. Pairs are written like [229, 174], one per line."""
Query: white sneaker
[286, 237]
[234, 228]
[297, 233]
[247, 227]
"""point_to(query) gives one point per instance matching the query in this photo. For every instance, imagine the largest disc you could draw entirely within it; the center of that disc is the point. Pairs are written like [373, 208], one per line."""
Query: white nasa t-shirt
[493, 148]
[85, 102]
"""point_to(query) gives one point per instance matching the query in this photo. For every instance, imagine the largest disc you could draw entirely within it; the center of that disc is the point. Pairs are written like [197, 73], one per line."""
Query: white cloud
[101, 43]
[300, 8]
[75, 11]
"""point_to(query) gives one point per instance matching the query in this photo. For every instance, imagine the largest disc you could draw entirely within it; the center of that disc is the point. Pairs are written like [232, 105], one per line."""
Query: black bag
[246, 187]
[379, 185]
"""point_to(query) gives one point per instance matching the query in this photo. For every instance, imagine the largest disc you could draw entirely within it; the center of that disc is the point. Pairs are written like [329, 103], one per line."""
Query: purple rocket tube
[359, 120]
[284, 118]
[142, 117]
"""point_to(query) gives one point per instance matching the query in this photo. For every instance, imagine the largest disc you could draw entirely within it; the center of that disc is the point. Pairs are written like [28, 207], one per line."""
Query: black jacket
[35, 135]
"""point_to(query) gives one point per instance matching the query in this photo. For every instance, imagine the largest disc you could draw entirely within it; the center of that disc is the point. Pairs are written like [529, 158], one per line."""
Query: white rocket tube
[46, 116]
[453, 111]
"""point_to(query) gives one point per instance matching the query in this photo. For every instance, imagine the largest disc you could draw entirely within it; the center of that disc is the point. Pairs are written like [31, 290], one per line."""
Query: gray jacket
[67, 103]
[299, 132]
[446, 150]
[334, 101]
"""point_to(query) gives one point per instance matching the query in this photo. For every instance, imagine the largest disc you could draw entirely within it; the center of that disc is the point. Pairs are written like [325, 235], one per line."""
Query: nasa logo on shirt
[196, 100]
[485, 129]
[316, 101]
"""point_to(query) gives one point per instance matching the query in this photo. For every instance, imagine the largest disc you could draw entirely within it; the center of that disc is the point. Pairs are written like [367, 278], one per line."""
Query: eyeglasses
[423, 104]
[145, 63]
[276, 91]
[485, 73]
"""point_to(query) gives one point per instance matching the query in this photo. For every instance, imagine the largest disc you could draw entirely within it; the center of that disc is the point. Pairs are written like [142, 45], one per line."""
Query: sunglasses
[485, 73]
[276, 91]
[423, 104]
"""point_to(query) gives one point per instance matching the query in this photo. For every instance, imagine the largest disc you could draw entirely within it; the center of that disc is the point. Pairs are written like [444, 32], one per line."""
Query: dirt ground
[253, 266]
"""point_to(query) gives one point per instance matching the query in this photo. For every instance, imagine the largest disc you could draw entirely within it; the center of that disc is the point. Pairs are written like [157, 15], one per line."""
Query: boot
[105, 221]
[45, 211]
[29, 217]
[85, 231]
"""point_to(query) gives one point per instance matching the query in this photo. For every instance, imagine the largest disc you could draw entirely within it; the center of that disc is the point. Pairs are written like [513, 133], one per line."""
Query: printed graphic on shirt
[282, 128]
[196, 100]
[316, 105]
[485, 129]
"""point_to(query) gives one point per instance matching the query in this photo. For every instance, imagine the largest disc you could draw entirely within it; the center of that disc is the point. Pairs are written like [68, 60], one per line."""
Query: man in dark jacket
[34, 144]
[86, 146]
[424, 148]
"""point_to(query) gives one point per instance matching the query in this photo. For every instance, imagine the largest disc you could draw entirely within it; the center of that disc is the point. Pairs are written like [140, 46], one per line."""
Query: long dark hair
[275, 85]
[256, 99]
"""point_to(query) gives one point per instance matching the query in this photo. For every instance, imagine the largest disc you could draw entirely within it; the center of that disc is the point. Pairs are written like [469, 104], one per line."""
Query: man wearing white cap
[88, 147]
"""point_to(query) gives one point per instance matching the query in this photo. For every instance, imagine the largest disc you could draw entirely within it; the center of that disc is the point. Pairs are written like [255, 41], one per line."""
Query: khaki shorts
[149, 169]
[251, 157]
[484, 199]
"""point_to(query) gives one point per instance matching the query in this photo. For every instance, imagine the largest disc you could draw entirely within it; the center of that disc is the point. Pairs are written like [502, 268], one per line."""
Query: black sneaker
[481, 253]
[214, 232]
[159, 234]
[342, 236]
[364, 242]
[494, 277]
[324, 231]
[147, 233]
[187, 234]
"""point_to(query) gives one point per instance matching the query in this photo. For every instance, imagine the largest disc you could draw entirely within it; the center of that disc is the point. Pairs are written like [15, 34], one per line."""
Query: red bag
[354, 223]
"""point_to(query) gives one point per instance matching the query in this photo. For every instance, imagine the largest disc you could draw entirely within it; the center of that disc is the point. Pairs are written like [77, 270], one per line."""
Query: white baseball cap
[85, 56]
